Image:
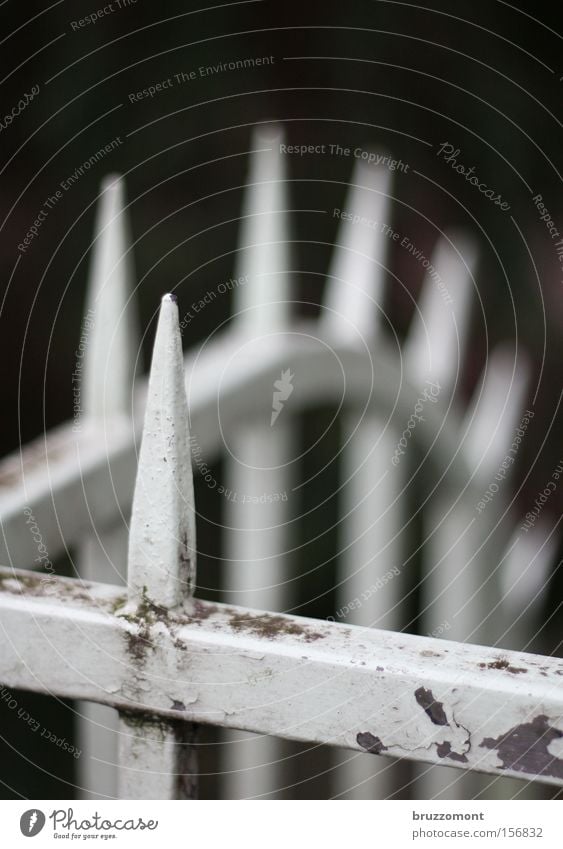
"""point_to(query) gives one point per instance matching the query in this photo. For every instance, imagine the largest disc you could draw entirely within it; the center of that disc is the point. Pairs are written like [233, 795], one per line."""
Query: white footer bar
[328, 824]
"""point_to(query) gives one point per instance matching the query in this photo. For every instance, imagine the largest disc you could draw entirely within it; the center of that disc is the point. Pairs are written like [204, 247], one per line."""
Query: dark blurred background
[393, 76]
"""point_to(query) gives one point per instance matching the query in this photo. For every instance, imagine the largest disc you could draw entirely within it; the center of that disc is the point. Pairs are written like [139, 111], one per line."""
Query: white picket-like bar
[258, 460]
[369, 531]
[109, 358]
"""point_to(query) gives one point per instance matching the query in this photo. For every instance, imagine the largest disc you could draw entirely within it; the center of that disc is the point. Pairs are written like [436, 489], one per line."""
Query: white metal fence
[151, 662]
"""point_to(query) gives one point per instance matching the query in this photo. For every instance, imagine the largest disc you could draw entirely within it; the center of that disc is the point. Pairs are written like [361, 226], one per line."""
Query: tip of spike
[110, 181]
[268, 133]
[170, 297]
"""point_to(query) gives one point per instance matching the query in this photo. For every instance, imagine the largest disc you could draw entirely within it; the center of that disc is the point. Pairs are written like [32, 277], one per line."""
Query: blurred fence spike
[495, 411]
[370, 537]
[256, 536]
[109, 326]
[524, 582]
[263, 257]
[354, 289]
[435, 344]
[465, 543]
[110, 341]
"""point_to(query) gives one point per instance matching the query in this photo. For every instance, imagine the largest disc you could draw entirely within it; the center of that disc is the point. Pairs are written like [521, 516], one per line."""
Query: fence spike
[465, 539]
[263, 258]
[354, 293]
[256, 535]
[495, 410]
[524, 582]
[436, 339]
[162, 549]
[355, 283]
[111, 337]
[463, 548]
[112, 341]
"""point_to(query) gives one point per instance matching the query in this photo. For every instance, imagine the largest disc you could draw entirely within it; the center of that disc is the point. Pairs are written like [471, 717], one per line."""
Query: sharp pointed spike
[263, 259]
[354, 289]
[436, 340]
[109, 327]
[162, 548]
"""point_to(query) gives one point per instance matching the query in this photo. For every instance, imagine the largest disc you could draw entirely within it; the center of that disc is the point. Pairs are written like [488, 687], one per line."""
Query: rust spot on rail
[272, 627]
[202, 610]
[502, 663]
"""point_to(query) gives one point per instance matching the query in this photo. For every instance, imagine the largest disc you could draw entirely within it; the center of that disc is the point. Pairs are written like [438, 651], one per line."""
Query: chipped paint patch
[434, 710]
[370, 743]
[524, 748]
[444, 750]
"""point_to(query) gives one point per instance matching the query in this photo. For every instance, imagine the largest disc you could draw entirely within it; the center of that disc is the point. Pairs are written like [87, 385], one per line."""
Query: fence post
[436, 340]
[370, 515]
[108, 369]
[157, 759]
[524, 584]
[435, 349]
[464, 547]
[259, 463]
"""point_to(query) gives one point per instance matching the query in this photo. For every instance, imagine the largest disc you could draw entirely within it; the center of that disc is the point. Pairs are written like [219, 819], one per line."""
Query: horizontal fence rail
[361, 688]
[66, 477]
